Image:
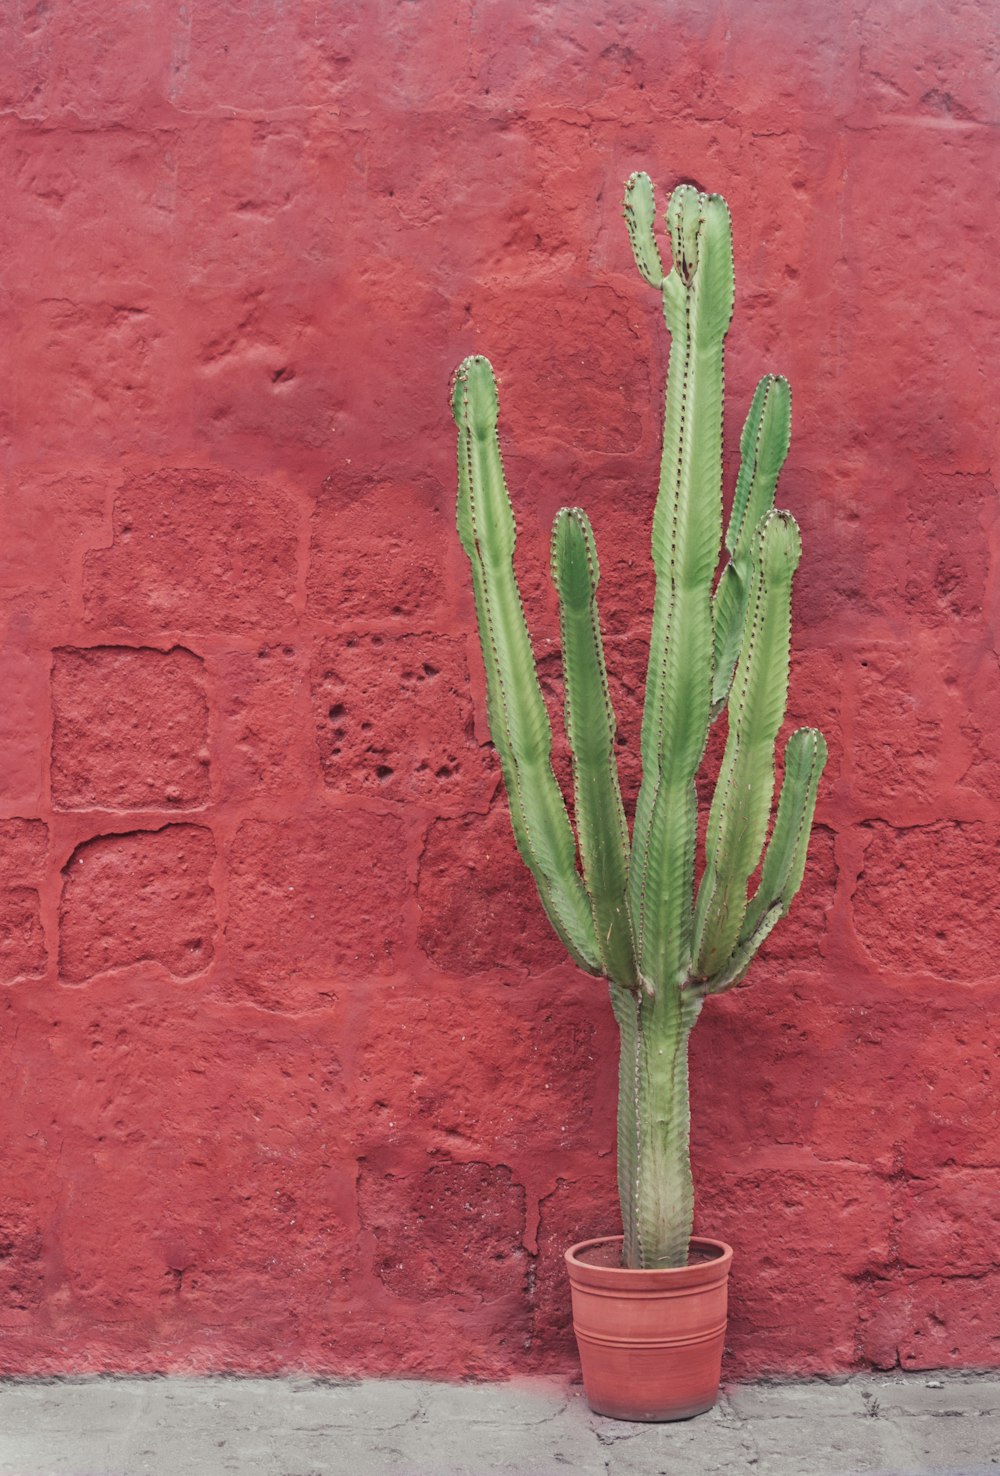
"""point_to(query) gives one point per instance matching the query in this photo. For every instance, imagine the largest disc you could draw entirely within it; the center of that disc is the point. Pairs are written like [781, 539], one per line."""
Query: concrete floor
[897, 1426]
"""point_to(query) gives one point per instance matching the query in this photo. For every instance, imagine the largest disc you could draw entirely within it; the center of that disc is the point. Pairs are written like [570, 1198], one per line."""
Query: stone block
[827, 1219]
[933, 1322]
[899, 743]
[23, 846]
[195, 550]
[954, 432]
[376, 551]
[479, 907]
[130, 729]
[938, 550]
[103, 368]
[951, 1079]
[504, 1070]
[447, 1230]
[947, 1224]
[47, 517]
[925, 902]
[262, 380]
[808, 1241]
[976, 746]
[851, 1093]
[22, 936]
[566, 367]
[581, 1205]
[24, 720]
[897, 85]
[115, 69]
[393, 718]
[208, 1193]
[22, 1264]
[981, 775]
[266, 741]
[243, 68]
[144, 896]
[772, 1064]
[314, 901]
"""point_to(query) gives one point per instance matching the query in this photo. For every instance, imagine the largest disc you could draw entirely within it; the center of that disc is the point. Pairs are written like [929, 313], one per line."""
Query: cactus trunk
[654, 1128]
[628, 907]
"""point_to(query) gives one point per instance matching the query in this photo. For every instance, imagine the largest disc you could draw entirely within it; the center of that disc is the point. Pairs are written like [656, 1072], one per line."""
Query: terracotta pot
[650, 1341]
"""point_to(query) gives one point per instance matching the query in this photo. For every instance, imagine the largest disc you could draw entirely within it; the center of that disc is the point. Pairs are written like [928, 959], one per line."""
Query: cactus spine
[629, 909]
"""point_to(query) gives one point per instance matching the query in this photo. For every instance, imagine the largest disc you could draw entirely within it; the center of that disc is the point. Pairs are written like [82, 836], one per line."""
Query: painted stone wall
[292, 1073]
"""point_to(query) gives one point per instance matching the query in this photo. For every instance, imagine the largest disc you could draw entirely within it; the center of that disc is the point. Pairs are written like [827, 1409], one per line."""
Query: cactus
[628, 908]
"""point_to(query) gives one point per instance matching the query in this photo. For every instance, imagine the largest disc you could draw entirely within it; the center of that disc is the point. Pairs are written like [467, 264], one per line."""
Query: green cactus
[629, 909]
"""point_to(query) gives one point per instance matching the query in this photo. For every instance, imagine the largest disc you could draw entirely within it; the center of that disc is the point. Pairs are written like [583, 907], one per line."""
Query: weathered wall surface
[293, 1075]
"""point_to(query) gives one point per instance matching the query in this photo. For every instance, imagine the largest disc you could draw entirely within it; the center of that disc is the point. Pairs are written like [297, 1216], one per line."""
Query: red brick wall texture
[294, 1075]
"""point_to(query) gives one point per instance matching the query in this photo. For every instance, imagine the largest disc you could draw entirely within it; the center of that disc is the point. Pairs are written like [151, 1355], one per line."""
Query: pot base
[650, 1341]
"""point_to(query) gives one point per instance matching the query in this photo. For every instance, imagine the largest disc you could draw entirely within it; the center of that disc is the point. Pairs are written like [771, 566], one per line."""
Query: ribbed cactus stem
[590, 727]
[687, 530]
[625, 908]
[518, 720]
[663, 1187]
[627, 1004]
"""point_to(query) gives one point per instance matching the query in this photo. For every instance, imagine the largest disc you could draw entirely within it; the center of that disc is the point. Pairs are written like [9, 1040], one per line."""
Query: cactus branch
[784, 859]
[590, 728]
[640, 214]
[763, 448]
[741, 805]
[519, 722]
[687, 530]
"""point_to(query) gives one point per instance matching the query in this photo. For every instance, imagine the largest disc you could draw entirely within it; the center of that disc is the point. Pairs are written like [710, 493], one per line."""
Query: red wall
[293, 1073]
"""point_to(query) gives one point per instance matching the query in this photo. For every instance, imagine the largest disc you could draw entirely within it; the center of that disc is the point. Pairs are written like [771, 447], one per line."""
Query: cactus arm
[735, 971]
[519, 723]
[590, 727]
[741, 805]
[764, 443]
[640, 213]
[687, 531]
[763, 448]
[785, 858]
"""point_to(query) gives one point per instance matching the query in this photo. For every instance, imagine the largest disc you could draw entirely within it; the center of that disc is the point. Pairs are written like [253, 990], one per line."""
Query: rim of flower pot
[714, 1267]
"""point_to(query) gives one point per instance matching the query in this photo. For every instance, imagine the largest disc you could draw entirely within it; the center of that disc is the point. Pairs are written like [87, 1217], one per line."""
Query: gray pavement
[895, 1425]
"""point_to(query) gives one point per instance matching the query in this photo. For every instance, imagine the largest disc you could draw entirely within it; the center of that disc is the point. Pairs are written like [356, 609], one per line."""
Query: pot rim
[662, 1277]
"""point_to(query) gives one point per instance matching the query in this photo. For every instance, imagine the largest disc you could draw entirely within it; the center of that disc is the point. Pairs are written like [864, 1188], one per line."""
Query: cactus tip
[637, 180]
[474, 398]
[779, 539]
